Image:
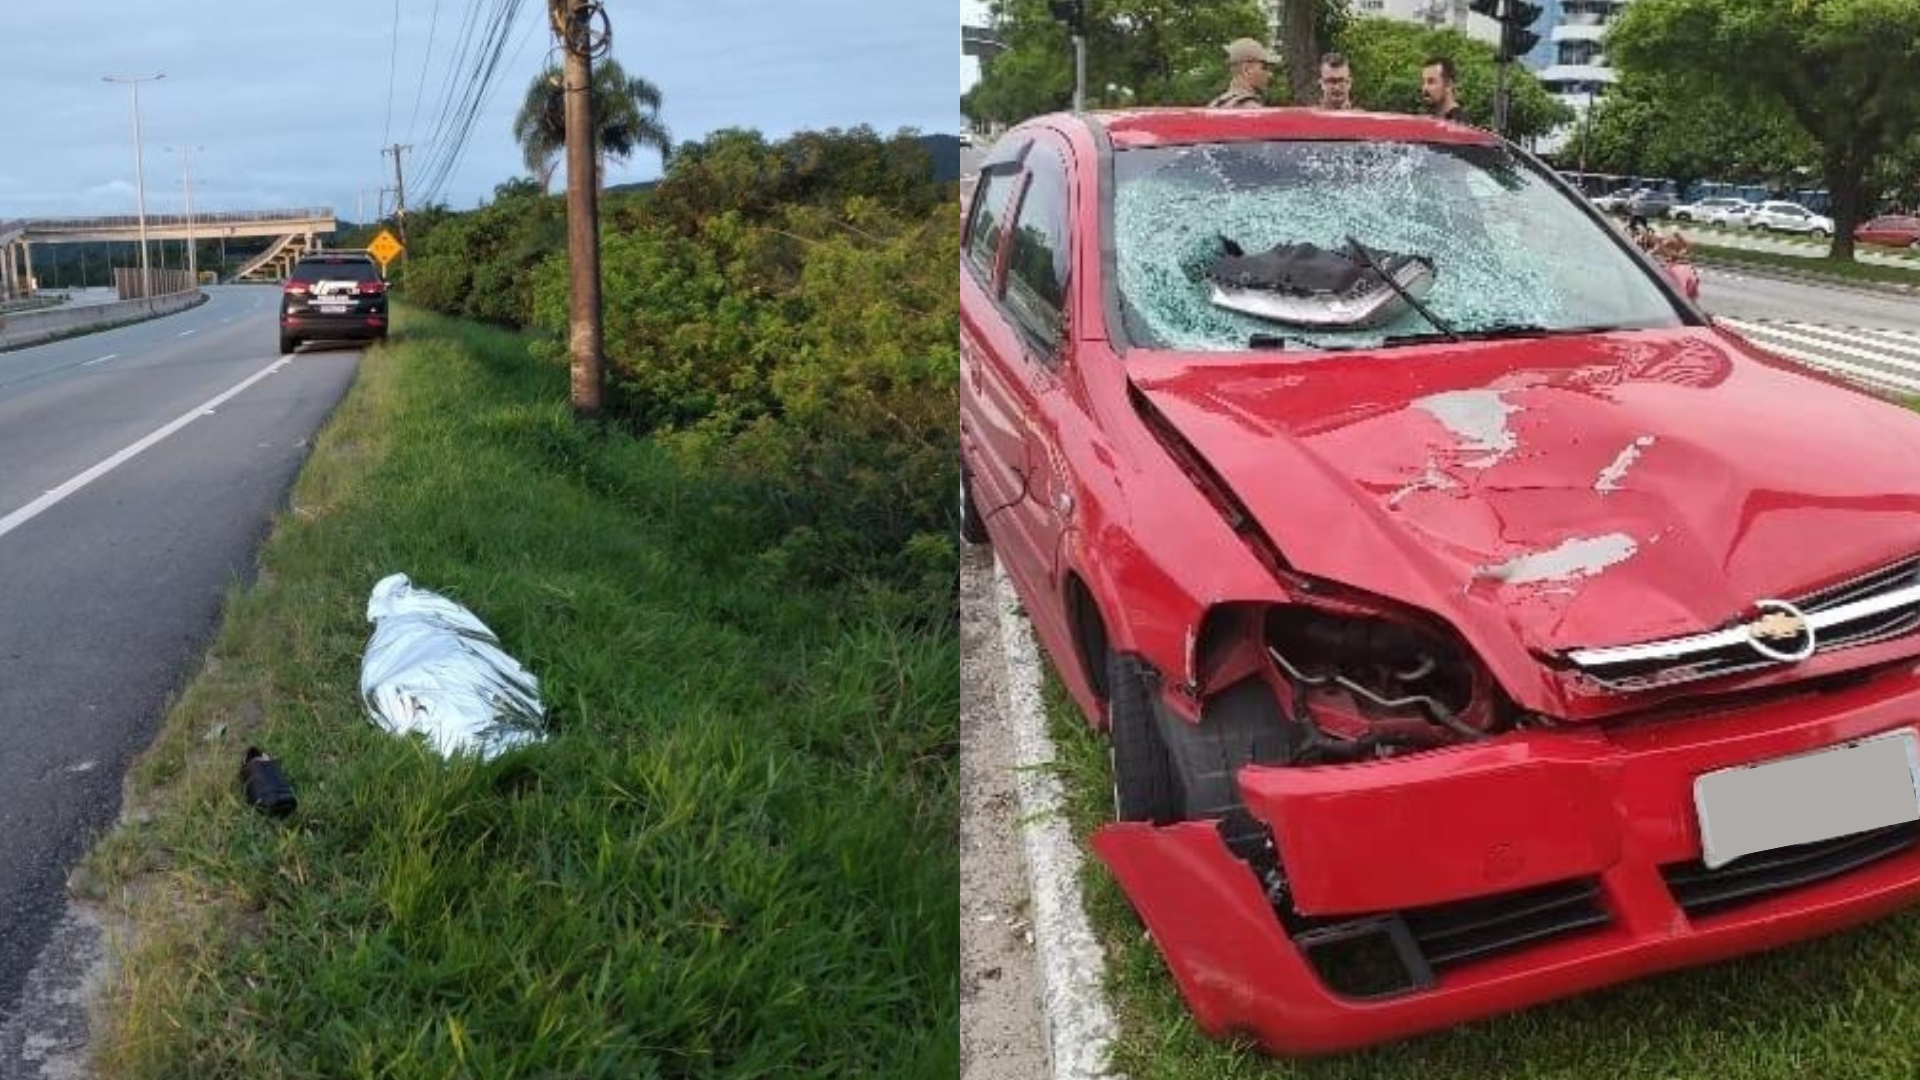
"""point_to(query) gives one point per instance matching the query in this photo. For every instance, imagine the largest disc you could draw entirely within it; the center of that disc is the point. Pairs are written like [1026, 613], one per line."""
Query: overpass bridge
[293, 232]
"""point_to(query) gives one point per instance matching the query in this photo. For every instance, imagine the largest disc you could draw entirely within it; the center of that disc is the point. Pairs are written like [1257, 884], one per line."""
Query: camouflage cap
[1247, 50]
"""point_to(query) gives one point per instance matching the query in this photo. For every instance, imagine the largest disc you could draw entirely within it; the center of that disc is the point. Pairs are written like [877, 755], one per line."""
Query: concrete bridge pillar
[27, 250]
[7, 286]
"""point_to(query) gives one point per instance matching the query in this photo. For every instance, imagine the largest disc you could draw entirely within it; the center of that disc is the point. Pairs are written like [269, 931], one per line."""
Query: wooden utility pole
[574, 22]
[400, 189]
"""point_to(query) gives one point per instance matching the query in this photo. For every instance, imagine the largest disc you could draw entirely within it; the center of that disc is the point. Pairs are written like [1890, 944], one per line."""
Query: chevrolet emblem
[1777, 626]
[1781, 632]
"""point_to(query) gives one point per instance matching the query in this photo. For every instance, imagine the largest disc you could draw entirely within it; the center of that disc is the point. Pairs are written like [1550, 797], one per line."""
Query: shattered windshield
[1476, 240]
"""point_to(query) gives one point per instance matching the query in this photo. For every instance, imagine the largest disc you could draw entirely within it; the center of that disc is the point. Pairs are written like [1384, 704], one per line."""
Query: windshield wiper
[1499, 331]
[1366, 257]
[1262, 339]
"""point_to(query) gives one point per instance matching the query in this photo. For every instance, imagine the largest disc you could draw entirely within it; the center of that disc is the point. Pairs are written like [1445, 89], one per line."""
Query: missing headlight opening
[1364, 687]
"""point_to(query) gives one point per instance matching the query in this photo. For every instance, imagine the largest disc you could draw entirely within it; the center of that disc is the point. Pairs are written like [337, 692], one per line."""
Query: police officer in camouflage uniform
[1248, 61]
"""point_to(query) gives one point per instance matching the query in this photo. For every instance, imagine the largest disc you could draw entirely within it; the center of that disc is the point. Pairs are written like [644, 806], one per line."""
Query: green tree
[1387, 55]
[1846, 71]
[1139, 52]
[626, 112]
[1635, 130]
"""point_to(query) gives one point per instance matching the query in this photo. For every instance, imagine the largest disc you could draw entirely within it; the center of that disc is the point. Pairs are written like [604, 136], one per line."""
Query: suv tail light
[371, 288]
[297, 288]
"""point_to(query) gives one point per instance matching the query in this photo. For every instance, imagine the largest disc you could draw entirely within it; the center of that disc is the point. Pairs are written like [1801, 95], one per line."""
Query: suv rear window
[335, 270]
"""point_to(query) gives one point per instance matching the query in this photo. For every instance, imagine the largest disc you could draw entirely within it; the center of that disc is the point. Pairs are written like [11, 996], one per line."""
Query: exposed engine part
[1366, 687]
[1435, 708]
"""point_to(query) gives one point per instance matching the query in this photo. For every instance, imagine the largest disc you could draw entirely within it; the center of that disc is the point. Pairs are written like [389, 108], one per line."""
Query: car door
[993, 450]
[1028, 332]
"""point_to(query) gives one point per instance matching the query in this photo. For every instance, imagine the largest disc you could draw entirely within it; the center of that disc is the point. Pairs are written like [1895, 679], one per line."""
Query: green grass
[734, 859]
[1844, 269]
[1843, 1006]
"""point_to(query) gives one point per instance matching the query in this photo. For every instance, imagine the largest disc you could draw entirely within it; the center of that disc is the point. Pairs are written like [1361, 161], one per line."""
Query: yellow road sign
[385, 248]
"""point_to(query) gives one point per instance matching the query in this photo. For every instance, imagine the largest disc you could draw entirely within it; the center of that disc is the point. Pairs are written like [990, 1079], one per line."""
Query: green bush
[782, 311]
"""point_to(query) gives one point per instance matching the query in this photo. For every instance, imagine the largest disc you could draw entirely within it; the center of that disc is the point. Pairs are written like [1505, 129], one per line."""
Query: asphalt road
[1745, 296]
[113, 563]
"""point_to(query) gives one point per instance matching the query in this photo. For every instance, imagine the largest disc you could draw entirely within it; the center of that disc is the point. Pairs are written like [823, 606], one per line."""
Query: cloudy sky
[285, 105]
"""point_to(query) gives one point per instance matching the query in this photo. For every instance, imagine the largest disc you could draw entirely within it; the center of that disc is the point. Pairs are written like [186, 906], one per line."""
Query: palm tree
[626, 109]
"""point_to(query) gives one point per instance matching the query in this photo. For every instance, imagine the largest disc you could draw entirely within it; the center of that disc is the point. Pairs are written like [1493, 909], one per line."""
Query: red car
[1893, 230]
[1474, 622]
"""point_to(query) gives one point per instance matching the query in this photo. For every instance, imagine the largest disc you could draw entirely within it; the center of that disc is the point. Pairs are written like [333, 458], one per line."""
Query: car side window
[989, 220]
[1038, 264]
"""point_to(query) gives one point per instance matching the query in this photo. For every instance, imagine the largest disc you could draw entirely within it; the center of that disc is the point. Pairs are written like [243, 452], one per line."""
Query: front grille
[1699, 890]
[1873, 607]
[1468, 929]
[1398, 952]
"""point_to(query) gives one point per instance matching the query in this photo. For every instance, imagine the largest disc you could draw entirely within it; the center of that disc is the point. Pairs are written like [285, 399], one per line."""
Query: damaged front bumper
[1418, 892]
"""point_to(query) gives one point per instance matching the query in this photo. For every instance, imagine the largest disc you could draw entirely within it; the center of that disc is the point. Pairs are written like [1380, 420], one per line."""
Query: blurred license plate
[334, 305]
[1807, 798]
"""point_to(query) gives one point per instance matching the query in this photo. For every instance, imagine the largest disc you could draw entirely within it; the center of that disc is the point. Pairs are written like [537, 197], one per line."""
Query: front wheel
[973, 528]
[1144, 785]
[1821, 234]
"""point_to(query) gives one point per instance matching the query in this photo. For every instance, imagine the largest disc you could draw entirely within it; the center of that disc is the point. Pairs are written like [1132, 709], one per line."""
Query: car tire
[973, 527]
[1144, 785]
[288, 344]
[1821, 233]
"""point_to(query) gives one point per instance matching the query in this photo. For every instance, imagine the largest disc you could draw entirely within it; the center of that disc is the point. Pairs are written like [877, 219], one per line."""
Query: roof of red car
[1153, 127]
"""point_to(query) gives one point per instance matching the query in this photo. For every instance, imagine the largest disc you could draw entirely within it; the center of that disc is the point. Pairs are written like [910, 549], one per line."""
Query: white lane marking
[101, 360]
[1886, 341]
[52, 498]
[1823, 346]
[188, 333]
[1860, 372]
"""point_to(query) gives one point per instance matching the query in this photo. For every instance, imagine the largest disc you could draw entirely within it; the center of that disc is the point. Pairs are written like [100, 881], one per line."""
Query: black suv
[333, 295]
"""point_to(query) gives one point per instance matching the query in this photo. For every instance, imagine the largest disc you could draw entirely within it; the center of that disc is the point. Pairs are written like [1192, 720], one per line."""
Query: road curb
[1080, 1026]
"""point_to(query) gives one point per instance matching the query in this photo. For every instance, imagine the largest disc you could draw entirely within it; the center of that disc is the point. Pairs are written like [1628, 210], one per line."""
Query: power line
[481, 83]
[433, 30]
[393, 67]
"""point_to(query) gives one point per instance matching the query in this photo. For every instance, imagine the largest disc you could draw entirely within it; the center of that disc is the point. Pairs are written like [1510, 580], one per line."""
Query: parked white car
[1719, 211]
[1789, 217]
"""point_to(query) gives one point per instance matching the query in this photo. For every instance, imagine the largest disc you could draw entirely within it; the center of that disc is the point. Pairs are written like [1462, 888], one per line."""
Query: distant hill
[638, 185]
[945, 151]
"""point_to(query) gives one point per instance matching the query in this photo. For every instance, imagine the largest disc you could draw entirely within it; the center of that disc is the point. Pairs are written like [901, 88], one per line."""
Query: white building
[1433, 14]
[1579, 74]
[1430, 13]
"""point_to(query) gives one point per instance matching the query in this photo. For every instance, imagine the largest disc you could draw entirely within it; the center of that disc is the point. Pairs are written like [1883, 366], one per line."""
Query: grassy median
[734, 859]
[1842, 270]
[1842, 1006]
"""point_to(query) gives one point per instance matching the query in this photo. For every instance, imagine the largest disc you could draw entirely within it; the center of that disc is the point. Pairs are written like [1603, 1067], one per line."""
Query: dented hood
[1594, 490]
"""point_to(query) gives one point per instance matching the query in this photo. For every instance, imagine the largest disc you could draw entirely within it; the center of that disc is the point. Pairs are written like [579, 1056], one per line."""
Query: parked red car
[1893, 230]
[1474, 622]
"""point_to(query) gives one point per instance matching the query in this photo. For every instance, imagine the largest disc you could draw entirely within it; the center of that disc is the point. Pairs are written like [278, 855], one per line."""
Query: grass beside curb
[1837, 270]
[1846, 1005]
[733, 860]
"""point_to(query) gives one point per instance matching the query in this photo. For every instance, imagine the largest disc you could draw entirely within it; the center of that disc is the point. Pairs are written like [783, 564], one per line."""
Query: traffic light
[1071, 12]
[1516, 40]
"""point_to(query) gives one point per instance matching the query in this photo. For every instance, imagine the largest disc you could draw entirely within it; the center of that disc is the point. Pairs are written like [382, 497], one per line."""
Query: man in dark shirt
[1437, 77]
[1336, 82]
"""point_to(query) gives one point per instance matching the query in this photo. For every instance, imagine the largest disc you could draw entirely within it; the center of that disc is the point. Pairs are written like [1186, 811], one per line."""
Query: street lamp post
[1586, 133]
[139, 171]
[193, 254]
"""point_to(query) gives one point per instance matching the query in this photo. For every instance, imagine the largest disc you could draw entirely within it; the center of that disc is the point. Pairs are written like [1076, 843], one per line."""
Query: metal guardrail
[162, 220]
